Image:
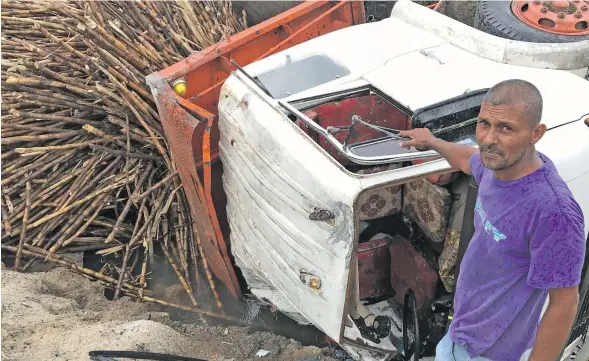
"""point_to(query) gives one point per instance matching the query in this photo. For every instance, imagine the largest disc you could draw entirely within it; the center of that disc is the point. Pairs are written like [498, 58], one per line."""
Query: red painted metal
[181, 120]
[190, 121]
[374, 263]
[371, 108]
[435, 6]
[557, 17]
[409, 269]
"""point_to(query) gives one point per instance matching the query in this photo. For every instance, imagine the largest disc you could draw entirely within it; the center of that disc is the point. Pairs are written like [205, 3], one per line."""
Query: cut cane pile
[85, 164]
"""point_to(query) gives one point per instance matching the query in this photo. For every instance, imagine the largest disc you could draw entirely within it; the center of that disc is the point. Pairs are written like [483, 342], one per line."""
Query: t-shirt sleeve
[557, 249]
[476, 166]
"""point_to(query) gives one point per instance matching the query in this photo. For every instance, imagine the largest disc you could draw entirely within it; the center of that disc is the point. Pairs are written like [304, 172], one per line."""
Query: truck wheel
[534, 21]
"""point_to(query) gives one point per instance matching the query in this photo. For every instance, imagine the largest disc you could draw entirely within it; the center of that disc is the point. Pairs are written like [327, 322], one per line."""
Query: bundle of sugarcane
[85, 165]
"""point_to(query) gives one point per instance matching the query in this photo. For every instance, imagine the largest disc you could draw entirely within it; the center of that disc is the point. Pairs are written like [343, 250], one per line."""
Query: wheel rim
[557, 17]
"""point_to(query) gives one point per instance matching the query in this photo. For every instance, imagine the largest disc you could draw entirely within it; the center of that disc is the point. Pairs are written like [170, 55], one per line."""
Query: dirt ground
[462, 10]
[58, 315]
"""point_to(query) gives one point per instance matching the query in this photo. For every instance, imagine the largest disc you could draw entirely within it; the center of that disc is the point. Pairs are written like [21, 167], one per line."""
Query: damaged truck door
[302, 224]
[306, 180]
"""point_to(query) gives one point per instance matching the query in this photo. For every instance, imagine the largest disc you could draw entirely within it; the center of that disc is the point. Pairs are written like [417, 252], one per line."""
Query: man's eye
[506, 128]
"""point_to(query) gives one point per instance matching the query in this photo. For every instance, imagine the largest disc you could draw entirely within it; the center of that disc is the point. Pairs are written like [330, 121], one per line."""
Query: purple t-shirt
[529, 237]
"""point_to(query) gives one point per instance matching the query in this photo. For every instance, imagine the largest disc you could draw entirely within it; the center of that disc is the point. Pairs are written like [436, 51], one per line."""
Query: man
[528, 242]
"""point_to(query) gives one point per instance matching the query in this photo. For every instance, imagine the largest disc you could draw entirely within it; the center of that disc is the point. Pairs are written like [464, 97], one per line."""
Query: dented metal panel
[292, 208]
[292, 231]
[190, 120]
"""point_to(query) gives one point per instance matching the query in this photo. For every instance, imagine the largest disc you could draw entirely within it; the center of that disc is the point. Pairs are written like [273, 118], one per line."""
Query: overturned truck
[301, 190]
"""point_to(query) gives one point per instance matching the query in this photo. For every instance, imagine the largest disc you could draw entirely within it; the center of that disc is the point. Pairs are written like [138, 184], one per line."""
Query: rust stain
[189, 121]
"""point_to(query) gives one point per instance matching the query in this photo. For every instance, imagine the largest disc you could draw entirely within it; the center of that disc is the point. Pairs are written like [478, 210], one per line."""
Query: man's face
[503, 135]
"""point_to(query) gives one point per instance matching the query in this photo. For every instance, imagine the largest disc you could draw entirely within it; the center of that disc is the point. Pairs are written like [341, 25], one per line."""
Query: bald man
[528, 242]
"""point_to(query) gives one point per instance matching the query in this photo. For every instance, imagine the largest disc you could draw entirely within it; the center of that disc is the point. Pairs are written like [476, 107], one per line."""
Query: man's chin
[493, 166]
[492, 161]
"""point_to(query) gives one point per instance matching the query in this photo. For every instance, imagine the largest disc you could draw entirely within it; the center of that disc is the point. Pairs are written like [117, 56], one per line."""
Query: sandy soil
[59, 316]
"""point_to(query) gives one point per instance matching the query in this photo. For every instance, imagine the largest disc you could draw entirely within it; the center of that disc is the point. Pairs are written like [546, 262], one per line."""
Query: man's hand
[556, 324]
[420, 138]
[457, 155]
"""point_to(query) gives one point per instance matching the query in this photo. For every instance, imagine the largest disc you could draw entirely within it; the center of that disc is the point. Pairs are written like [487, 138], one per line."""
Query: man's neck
[528, 165]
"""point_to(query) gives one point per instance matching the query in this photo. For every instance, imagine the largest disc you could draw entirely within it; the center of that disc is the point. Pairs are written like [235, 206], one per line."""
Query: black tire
[496, 18]
[378, 10]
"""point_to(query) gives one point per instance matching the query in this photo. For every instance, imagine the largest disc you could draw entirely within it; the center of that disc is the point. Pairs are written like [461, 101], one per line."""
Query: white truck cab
[312, 163]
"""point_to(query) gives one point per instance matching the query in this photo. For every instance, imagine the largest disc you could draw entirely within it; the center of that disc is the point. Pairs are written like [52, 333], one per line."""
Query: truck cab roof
[418, 64]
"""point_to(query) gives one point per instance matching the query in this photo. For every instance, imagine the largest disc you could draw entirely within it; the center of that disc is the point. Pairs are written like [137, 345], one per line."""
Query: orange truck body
[190, 120]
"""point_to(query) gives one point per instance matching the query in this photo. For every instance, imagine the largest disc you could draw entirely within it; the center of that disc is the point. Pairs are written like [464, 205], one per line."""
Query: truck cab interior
[409, 237]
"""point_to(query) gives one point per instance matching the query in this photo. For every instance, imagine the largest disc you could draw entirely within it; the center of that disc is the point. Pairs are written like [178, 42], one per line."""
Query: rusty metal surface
[374, 264]
[190, 121]
[179, 126]
[206, 71]
[557, 17]
[409, 269]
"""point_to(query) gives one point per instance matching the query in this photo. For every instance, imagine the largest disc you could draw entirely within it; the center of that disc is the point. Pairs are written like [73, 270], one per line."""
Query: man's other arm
[457, 155]
[556, 324]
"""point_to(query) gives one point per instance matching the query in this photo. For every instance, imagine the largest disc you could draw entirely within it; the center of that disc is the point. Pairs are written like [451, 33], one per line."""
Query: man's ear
[539, 131]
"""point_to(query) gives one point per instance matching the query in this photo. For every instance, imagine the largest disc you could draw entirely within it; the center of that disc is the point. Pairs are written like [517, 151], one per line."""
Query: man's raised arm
[457, 155]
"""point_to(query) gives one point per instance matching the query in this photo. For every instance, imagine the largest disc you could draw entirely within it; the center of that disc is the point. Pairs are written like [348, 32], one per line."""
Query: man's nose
[489, 137]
